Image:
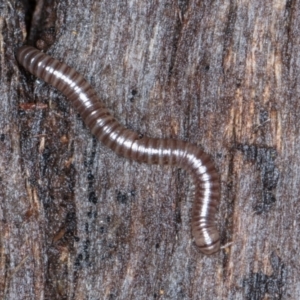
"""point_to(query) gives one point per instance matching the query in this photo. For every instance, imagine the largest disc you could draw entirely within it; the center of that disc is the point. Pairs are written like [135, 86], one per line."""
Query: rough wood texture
[78, 222]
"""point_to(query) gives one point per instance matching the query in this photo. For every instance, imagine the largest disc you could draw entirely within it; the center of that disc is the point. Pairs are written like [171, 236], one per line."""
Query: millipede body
[129, 144]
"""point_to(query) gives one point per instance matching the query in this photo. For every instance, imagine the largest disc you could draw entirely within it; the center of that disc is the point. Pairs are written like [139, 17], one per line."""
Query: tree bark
[79, 222]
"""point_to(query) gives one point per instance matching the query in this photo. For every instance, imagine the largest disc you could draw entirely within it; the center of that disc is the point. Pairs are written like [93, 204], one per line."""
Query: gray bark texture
[79, 222]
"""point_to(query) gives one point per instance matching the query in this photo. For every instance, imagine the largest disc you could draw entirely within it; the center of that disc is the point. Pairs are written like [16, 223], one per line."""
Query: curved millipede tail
[127, 143]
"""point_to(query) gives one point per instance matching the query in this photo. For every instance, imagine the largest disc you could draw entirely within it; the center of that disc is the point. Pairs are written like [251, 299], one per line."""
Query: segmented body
[129, 144]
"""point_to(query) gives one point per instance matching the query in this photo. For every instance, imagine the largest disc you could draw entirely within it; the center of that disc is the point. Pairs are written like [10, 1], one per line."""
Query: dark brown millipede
[129, 144]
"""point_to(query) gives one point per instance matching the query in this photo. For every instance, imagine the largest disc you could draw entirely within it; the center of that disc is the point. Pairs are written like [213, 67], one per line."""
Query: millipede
[131, 145]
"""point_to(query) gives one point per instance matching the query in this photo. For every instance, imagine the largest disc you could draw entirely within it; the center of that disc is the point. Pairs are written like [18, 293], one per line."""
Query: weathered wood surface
[78, 222]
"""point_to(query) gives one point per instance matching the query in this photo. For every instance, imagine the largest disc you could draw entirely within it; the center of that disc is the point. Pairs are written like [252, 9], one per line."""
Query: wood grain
[78, 222]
